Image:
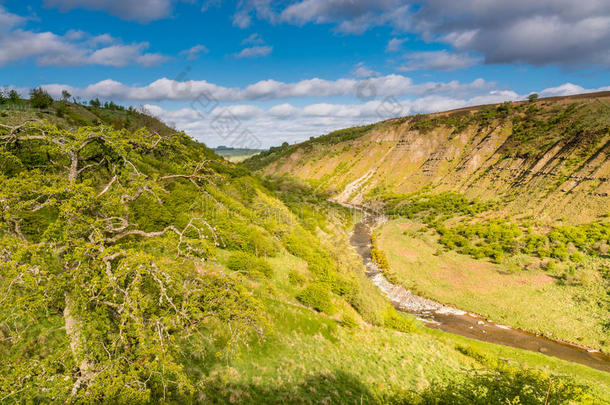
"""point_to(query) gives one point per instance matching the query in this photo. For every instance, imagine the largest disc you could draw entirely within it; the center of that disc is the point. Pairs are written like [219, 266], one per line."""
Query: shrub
[40, 98]
[348, 321]
[249, 264]
[395, 320]
[318, 297]
[295, 278]
[345, 287]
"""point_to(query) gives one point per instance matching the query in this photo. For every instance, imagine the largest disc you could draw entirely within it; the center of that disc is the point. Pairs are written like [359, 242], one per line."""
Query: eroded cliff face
[549, 159]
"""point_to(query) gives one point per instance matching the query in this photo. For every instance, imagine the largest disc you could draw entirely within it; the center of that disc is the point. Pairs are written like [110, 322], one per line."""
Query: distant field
[533, 300]
[237, 155]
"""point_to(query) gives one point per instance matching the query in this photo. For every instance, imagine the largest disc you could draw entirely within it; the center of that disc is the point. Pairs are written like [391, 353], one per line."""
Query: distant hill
[236, 154]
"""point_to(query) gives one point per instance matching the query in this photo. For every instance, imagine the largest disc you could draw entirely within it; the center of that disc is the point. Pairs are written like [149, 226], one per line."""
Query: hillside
[502, 210]
[137, 266]
[549, 158]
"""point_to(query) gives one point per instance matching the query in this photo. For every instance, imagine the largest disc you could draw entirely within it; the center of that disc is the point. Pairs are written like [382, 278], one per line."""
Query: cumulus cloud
[194, 52]
[167, 89]
[138, 10]
[543, 32]
[437, 60]
[254, 127]
[72, 49]
[361, 70]
[568, 89]
[254, 52]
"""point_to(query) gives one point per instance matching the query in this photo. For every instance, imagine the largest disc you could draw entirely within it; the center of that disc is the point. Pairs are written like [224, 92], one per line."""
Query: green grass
[529, 299]
[308, 359]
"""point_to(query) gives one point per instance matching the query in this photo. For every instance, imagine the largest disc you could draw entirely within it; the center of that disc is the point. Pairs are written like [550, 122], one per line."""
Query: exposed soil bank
[452, 320]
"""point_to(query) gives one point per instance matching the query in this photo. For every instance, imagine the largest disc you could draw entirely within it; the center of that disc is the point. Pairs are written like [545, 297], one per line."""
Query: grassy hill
[137, 266]
[506, 207]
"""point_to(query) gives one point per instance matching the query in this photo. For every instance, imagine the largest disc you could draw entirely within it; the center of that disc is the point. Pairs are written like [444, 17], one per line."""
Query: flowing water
[452, 320]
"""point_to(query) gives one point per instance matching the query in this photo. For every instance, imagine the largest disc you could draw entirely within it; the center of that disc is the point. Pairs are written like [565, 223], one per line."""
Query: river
[453, 320]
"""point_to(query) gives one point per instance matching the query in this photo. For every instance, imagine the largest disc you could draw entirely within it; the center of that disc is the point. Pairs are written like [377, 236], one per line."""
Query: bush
[395, 320]
[296, 278]
[348, 321]
[318, 297]
[249, 264]
[40, 98]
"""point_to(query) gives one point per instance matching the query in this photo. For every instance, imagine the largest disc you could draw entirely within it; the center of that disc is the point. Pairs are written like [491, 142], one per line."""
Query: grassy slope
[306, 356]
[546, 161]
[528, 299]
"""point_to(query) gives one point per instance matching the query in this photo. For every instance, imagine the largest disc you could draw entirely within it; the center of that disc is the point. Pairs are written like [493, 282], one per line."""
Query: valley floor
[529, 299]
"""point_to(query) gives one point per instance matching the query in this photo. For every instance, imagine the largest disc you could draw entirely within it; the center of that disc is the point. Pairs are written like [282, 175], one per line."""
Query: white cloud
[194, 52]
[138, 10]
[383, 86]
[361, 70]
[283, 111]
[437, 60]
[253, 126]
[72, 49]
[395, 44]
[254, 52]
[254, 39]
[122, 55]
[9, 20]
[568, 89]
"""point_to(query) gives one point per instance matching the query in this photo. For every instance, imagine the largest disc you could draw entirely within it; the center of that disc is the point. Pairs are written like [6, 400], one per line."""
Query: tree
[532, 97]
[65, 95]
[95, 103]
[39, 98]
[13, 96]
[73, 257]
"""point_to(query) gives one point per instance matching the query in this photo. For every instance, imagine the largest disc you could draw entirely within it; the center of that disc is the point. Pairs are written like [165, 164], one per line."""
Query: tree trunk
[73, 174]
[77, 345]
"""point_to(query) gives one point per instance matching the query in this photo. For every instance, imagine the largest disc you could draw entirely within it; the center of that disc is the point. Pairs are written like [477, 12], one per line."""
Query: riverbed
[456, 321]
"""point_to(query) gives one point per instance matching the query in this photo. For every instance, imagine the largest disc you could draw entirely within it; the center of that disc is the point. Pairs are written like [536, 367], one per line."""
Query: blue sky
[261, 72]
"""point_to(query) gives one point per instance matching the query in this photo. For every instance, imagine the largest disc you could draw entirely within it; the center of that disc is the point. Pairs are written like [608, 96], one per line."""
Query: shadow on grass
[507, 386]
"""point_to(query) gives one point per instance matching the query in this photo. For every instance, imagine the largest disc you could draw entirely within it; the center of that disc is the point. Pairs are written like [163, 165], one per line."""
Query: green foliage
[434, 205]
[39, 98]
[13, 96]
[249, 264]
[395, 320]
[100, 235]
[318, 297]
[496, 239]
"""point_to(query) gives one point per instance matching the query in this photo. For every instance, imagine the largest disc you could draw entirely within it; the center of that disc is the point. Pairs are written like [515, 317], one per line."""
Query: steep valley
[549, 159]
[500, 210]
[138, 266]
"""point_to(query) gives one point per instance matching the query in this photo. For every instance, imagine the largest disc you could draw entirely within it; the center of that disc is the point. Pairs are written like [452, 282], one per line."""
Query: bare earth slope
[549, 158]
